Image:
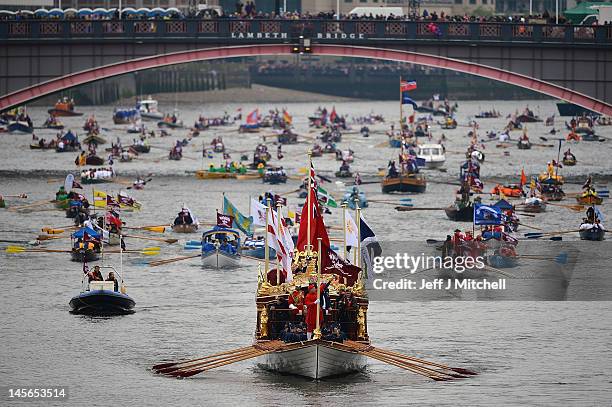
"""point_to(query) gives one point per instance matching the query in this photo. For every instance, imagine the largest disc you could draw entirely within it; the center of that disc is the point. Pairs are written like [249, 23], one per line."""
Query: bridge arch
[46, 88]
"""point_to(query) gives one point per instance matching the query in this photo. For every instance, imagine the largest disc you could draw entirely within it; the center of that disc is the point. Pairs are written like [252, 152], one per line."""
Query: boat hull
[86, 256]
[316, 361]
[570, 109]
[596, 234]
[465, 214]
[102, 302]
[64, 113]
[403, 184]
[220, 259]
[185, 228]
[18, 127]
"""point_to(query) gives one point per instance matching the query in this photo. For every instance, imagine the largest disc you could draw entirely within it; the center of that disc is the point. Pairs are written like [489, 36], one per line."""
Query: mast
[401, 108]
[266, 248]
[358, 212]
[317, 332]
[344, 228]
[278, 220]
[309, 243]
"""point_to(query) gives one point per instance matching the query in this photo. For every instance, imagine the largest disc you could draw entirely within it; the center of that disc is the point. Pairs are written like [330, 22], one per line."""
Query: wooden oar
[405, 209]
[157, 239]
[19, 249]
[224, 362]
[558, 232]
[22, 196]
[172, 260]
[206, 361]
[147, 251]
[37, 203]
[576, 208]
[158, 229]
[47, 237]
[426, 367]
[165, 365]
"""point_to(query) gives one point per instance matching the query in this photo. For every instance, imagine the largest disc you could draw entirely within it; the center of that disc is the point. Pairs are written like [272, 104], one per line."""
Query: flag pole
[266, 248]
[317, 332]
[278, 220]
[358, 209]
[401, 108]
[309, 243]
[344, 228]
[357, 217]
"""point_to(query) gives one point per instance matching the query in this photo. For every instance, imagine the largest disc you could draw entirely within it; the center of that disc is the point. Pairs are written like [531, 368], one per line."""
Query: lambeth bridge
[572, 63]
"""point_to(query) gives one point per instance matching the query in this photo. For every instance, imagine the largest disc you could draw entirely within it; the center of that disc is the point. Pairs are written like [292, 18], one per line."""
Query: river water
[527, 352]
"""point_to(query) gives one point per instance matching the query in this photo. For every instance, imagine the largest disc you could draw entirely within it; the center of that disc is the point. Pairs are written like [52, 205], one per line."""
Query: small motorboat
[592, 231]
[64, 107]
[125, 116]
[221, 247]
[148, 109]
[101, 298]
[433, 154]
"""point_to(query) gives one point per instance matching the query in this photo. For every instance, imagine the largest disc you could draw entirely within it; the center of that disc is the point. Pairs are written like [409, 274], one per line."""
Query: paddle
[158, 229]
[157, 239]
[561, 258]
[172, 260]
[37, 203]
[147, 251]
[21, 249]
[537, 235]
[403, 208]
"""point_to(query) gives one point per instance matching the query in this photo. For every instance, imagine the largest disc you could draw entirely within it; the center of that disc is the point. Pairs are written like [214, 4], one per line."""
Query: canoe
[102, 302]
[464, 214]
[592, 232]
[410, 183]
[141, 148]
[192, 228]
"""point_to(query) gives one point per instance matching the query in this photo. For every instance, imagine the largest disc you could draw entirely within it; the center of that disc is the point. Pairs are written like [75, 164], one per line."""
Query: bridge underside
[586, 71]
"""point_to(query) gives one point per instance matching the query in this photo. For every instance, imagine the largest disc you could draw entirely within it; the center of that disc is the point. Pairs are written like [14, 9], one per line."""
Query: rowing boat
[590, 231]
[404, 183]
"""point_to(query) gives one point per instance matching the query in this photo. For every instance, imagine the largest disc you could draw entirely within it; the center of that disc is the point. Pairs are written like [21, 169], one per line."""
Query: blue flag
[406, 100]
[487, 215]
[239, 220]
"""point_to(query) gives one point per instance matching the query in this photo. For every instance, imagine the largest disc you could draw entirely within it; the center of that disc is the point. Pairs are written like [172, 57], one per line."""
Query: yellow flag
[99, 199]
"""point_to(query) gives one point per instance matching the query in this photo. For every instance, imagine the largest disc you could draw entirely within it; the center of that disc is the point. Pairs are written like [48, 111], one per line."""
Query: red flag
[523, 177]
[317, 226]
[333, 115]
[224, 221]
[411, 118]
[407, 85]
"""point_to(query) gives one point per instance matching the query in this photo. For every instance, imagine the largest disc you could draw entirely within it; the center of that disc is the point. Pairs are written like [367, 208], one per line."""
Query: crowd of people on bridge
[248, 10]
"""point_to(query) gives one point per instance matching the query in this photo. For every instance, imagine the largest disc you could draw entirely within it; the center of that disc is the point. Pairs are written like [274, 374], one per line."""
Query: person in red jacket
[296, 302]
[311, 301]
